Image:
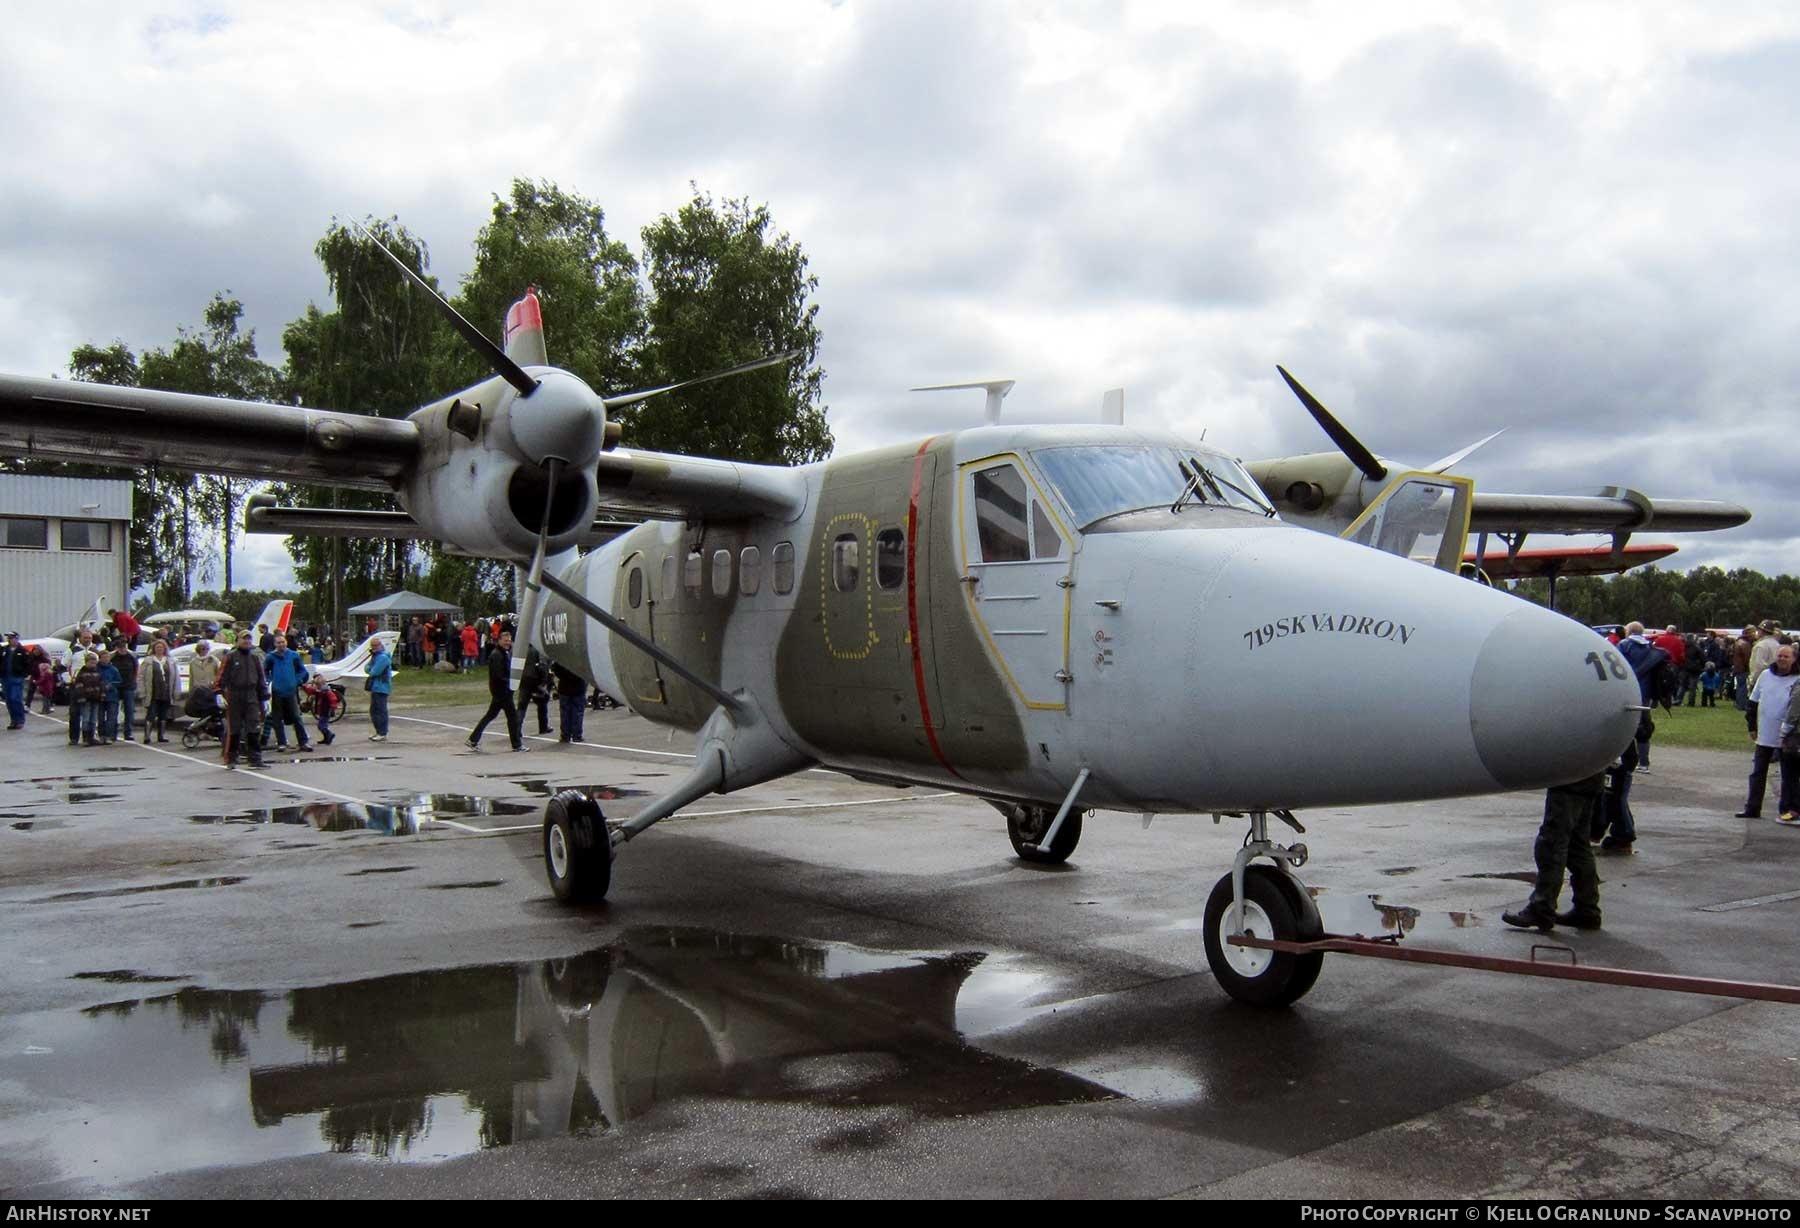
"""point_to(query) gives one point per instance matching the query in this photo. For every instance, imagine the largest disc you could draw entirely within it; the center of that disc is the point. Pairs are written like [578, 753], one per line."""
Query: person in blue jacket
[381, 684]
[109, 709]
[286, 673]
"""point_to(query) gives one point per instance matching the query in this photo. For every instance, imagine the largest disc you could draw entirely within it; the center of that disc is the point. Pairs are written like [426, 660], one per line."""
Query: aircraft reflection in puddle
[432, 1064]
[406, 818]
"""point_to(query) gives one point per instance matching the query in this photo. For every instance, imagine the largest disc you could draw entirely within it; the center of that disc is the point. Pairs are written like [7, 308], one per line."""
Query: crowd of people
[252, 688]
[424, 643]
[1756, 669]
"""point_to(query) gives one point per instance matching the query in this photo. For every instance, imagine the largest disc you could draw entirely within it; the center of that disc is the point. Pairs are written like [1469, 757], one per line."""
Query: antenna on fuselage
[996, 393]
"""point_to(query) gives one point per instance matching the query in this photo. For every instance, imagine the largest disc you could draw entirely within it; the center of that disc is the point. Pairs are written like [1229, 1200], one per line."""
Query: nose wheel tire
[1277, 907]
[577, 850]
[1026, 825]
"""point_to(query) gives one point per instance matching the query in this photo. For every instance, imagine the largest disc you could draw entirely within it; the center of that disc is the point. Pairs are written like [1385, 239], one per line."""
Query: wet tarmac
[402, 819]
[436, 1064]
[221, 985]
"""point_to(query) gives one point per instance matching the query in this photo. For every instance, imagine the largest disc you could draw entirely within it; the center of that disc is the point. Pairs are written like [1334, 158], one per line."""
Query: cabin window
[634, 587]
[690, 573]
[24, 534]
[749, 571]
[782, 560]
[890, 558]
[846, 562]
[721, 576]
[1000, 515]
[667, 588]
[86, 535]
[1046, 542]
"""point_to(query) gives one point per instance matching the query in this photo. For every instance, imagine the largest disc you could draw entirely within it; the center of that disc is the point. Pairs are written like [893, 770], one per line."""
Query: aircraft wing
[1575, 561]
[68, 420]
[1611, 511]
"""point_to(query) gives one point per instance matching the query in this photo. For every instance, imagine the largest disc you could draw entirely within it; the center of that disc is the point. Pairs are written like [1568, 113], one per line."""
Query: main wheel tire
[1026, 825]
[577, 849]
[1275, 906]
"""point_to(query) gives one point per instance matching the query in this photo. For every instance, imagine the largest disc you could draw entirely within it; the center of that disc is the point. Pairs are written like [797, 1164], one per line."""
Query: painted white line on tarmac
[710, 814]
[186, 758]
[540, 737]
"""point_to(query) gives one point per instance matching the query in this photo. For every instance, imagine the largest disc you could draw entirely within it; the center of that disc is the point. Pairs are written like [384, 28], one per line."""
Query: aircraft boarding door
[1420, 516]
[1017, 560]
[641, 589]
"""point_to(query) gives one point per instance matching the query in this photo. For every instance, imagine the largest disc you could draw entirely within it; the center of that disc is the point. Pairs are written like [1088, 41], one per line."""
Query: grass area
[422, 688]
[1720, 728]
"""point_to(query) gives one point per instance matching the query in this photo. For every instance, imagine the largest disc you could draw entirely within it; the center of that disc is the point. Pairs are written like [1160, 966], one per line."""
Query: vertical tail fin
[523, 338]
[275, 616]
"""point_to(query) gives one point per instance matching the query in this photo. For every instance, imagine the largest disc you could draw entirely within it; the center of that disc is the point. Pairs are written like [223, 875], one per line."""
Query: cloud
[1564, 219]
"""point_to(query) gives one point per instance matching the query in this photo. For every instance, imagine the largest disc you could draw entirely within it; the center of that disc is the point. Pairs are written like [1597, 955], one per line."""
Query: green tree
[374, 353]
[214, 360]
[726, 287]
[593, 305]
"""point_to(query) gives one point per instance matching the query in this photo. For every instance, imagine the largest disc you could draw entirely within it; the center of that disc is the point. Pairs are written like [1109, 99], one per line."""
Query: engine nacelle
[487, 499]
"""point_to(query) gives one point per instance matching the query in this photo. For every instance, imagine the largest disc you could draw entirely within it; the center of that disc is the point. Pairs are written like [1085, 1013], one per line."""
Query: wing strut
[729, 702]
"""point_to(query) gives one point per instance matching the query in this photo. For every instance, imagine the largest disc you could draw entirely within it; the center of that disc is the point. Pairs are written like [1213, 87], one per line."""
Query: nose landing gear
[1268, 902]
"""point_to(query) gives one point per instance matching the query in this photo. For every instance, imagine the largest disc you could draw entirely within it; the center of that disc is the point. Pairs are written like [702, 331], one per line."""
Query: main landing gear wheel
[1275, 906]
[577, 848]
[1026, 825]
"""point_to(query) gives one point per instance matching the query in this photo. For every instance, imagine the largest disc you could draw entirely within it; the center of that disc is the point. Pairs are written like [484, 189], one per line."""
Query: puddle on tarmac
[126, 976]
[486, 882]
[421, 1066]
[41, 825]
[406, 818]
[186, 884]
[1517, 876]
[540, 787]
[1369, 916]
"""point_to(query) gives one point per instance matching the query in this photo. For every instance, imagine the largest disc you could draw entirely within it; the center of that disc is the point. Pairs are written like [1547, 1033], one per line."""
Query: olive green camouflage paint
[844, 667]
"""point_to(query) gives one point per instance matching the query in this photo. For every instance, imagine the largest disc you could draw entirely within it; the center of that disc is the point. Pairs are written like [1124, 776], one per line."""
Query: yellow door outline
[1456, 534]
[968, 559]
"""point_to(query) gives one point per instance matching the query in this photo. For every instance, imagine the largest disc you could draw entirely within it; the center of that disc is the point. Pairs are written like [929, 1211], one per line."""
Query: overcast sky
[1573, 221]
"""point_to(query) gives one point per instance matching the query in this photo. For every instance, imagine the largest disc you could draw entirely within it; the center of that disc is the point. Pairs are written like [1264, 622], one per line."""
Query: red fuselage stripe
[912, 605]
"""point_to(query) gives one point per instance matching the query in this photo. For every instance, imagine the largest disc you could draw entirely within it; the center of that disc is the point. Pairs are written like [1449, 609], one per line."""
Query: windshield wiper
[1192, 489]
[1215, 481]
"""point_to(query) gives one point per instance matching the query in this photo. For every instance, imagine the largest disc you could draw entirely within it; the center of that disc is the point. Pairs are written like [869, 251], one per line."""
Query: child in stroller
[205, 719]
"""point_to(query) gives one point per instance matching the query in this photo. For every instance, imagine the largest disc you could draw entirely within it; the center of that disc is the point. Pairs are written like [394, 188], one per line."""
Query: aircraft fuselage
[951, 613]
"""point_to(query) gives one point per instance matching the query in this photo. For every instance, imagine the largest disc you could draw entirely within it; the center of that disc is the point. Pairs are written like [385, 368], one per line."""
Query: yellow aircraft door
[1018, 560]
[1420, 516]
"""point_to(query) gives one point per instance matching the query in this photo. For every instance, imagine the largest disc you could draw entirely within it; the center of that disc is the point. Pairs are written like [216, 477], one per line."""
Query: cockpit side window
[1000, 515]
[1046, 542]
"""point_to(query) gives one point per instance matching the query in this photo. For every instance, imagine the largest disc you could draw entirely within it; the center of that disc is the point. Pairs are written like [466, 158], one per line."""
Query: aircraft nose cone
[1550, 702]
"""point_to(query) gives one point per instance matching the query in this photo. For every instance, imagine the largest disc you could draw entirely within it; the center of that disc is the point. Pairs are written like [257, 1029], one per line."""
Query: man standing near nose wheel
[499, 662]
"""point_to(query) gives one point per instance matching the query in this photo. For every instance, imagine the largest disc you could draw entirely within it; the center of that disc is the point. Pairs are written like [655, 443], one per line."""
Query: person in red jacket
[127, 626]
[471, 646]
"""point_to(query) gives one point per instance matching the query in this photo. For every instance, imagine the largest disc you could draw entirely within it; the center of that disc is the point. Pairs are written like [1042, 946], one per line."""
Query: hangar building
[63, 542]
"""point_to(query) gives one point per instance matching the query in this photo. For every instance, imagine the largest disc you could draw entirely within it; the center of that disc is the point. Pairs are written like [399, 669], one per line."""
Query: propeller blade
[755, 364]
[534, 576]
[503, 366]
[1456, 458]
[1347, 443]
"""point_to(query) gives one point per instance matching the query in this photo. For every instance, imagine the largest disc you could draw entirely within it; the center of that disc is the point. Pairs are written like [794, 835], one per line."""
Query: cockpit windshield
[1104, 480]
